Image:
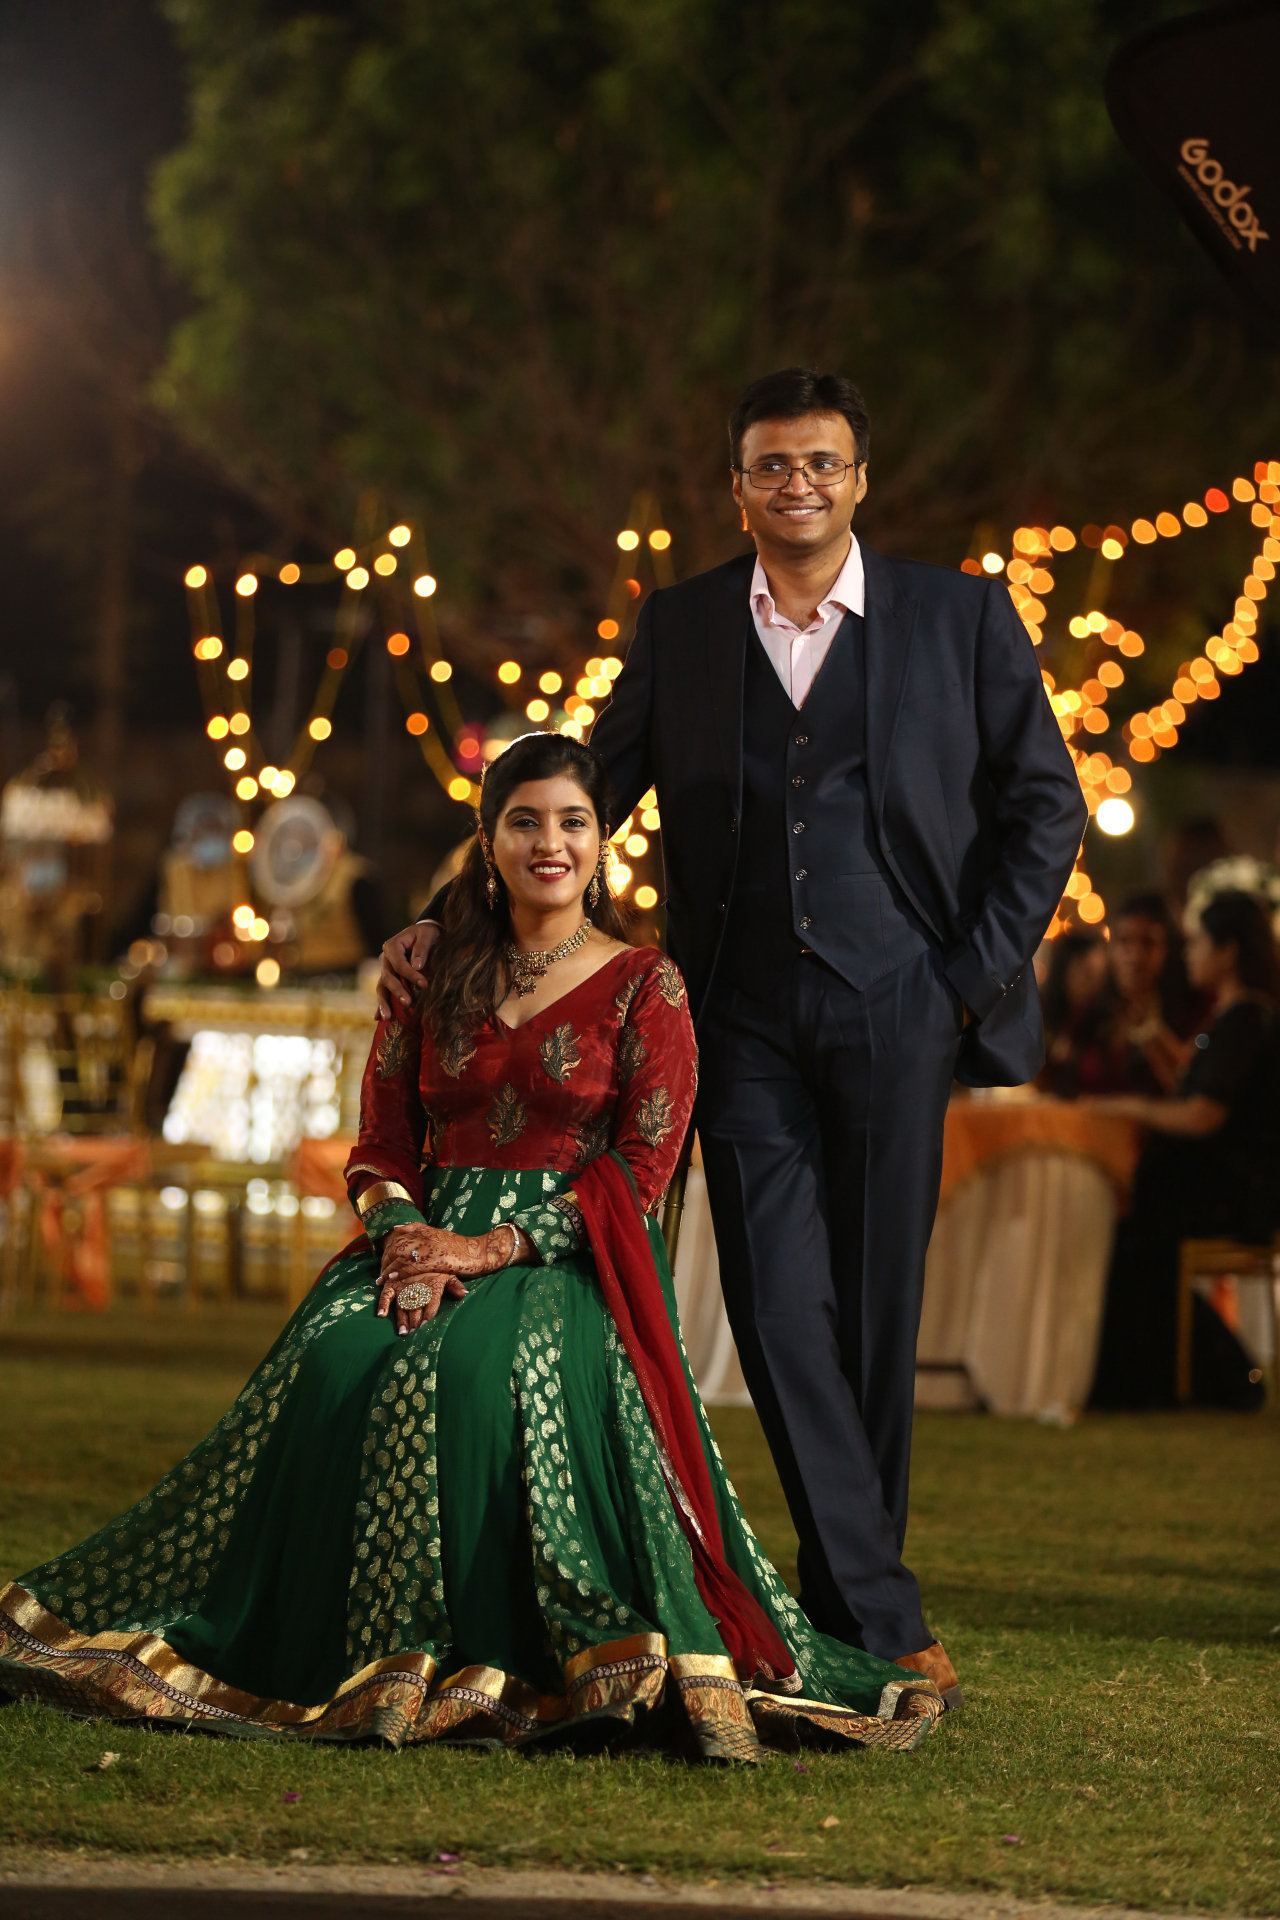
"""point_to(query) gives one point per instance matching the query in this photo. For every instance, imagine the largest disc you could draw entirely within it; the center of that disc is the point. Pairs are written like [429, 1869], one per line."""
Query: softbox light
[1198, 102]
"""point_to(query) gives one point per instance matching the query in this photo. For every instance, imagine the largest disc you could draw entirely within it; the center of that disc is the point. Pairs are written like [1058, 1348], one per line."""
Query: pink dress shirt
[797, 656]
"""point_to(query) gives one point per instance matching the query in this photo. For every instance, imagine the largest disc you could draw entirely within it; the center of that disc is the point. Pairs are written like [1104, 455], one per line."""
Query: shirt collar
[848, 593]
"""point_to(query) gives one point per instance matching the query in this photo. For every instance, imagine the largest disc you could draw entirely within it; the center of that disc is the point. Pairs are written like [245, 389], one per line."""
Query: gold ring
[417, 1294]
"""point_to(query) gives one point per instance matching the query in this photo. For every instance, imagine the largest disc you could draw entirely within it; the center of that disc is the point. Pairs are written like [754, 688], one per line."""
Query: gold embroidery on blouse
[559, 1053]
[507, 1117]
[655, 1117]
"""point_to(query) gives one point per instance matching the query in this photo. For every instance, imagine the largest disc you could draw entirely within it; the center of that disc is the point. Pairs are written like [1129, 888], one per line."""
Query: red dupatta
[633, 1294]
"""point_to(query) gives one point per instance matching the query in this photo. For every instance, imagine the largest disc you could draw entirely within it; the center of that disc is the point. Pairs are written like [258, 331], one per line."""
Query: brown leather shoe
[934, 1665]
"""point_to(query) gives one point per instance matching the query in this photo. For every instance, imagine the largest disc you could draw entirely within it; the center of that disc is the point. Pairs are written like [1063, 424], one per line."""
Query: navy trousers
[820, 1115]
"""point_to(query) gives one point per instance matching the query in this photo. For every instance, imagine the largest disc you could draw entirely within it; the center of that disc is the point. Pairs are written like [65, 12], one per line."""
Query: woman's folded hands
[422, 1266]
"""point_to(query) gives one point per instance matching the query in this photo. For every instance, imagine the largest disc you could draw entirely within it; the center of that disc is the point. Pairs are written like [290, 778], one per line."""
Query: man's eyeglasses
[824, 470]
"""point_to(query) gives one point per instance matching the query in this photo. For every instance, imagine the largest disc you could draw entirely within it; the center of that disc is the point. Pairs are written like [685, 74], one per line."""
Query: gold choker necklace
[527, 966]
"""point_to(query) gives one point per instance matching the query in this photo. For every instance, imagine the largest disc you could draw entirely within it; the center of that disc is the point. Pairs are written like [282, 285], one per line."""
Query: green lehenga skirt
[463, 1533]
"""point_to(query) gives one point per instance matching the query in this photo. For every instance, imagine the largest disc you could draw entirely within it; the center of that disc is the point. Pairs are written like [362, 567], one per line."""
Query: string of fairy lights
[1104, 777]
[390, 565]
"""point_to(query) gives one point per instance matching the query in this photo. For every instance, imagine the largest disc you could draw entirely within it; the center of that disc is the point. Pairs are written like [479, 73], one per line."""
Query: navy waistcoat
[810, 873]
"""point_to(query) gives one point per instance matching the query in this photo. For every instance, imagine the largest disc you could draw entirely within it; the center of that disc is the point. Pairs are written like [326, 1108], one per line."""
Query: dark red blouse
[610, 1064]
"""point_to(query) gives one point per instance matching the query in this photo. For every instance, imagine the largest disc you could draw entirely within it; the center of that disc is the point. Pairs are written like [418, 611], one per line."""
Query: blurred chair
[1246, 1266]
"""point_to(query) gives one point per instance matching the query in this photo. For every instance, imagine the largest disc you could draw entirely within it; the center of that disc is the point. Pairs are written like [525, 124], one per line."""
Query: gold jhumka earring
[491, 878]
[597, 879]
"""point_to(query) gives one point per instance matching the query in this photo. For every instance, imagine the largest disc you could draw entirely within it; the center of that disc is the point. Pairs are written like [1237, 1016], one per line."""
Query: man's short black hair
[796, 391]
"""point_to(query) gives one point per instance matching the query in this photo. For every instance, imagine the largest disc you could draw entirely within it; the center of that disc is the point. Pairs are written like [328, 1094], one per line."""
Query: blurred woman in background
[1211, 1167]
[1070, 998]
[1139, 1032]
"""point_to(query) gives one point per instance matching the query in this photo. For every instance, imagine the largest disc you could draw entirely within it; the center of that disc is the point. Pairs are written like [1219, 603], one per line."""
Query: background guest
[1211, 1167]
[1073, 986]
[1137, 1037]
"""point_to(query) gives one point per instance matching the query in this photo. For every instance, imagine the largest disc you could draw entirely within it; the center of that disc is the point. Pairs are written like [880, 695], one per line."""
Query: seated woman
[471, 1493]
[1136, 1037]
[1072, 990]
[1211, 1167]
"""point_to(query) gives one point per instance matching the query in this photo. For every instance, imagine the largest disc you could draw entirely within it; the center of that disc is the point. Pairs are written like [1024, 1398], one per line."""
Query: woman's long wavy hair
[465, 972]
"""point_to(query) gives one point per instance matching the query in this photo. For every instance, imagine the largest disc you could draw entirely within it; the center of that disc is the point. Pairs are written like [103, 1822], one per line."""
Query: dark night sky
[90, 95]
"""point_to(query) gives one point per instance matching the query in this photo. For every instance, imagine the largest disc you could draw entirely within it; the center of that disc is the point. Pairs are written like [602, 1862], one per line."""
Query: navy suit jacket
[976, 805]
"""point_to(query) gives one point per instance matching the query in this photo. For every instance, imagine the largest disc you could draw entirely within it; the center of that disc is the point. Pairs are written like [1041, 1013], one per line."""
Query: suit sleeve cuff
[980, 990]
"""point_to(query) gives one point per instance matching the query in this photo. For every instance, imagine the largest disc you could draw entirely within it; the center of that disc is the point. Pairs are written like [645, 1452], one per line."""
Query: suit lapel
[889, 629]
[724, 641]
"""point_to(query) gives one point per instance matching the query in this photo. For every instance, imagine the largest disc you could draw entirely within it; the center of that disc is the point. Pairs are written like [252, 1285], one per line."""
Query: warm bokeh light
[242, 841]
[637, 845]
[320, 728]
[336, 658]
[210, 648]
[608, 629]
[358, 578]
[584, 714]
[1112, 549]
[260, 929]
[237, 669]
[399, 536]
[459, 787]
[217, 728]
[1111, 673]
[992, 563]
[398, 644]
[425, 585]
[538, 710]
[242, 918]
[628, 540]
[1131, 644]
[247, 585]
[1243, 490]
[196, 576]
[290, 573]
[239, 723]
[246, 787]
[344, 558]
[651, 819]
[385, 564]
[572, 728]
[659, 540]
[417, 724]
[611, 667]
[234, 758]
[1115, 815]
[441, 671]
[1119, 779]
[1061, 539]
[550, 682]
[620, 876]
[509, 672]
[1216, 500]
[1090, 908]
[267, 972]
[285, 783]
[646, 897]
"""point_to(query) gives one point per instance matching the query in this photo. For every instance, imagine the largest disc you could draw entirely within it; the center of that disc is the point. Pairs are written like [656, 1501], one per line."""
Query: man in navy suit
[868, 819]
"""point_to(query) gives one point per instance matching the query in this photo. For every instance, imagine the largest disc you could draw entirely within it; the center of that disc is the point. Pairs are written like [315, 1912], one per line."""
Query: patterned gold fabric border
[402, 1700]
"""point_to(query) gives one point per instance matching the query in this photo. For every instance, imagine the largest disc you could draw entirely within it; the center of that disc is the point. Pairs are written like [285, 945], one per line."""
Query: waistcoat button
[797, 779]
[805, 923]
[803, 874]
[802, 739]
[798, 827]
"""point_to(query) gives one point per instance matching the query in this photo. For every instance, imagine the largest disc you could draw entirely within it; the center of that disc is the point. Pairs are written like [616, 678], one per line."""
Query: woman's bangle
[515, 1243]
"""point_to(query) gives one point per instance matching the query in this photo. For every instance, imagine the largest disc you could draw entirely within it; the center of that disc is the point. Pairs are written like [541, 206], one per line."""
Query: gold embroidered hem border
[402, 1700]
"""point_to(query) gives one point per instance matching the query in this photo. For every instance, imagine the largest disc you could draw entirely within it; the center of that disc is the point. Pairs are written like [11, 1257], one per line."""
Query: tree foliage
[509, 264]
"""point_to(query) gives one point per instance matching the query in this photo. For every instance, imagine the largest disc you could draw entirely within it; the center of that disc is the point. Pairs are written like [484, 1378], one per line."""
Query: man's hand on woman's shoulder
[404, 956]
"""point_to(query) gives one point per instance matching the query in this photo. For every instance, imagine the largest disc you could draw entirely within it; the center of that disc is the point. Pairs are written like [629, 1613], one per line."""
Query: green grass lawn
[1110, 1595]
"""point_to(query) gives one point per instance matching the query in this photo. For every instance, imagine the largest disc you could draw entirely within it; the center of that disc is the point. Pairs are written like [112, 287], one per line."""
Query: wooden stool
[1205, 1259]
